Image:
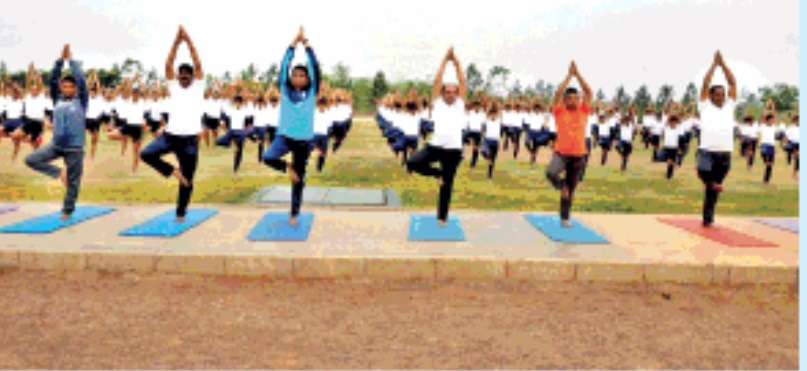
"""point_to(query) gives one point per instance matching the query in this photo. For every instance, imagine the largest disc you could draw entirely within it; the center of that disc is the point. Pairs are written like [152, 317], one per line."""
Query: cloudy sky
[613, 41]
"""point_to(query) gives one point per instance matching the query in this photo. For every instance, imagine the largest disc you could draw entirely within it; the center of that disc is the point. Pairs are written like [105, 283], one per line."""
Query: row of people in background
[489, 122]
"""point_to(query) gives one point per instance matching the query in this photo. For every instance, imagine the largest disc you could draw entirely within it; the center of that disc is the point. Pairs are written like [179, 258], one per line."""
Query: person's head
[571, 99]
[450, 92]
[67, 87]
[770, 119]
[412, 106]
[185, 75]
[795, 119]
[238, 100]
[717, 95]
[136, 94]
[748, 119]
[322, 103]
[274, 99]
[299, 78]
[674, 120]
[493, 109]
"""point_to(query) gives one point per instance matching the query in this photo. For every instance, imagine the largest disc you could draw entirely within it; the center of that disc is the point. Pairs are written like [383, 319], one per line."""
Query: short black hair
[570, 91]
[768, 116]
[69, 79]
[714, 88]
[238, 98]
[186, 67]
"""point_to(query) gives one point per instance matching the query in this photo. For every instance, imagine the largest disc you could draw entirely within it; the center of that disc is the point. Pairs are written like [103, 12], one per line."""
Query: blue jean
[300, 150]
[73, 160]
[186, 149]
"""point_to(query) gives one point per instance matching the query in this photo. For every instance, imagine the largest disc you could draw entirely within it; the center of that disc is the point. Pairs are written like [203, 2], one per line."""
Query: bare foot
[565, 224]
[180, 220]
[293, 221]
[182, 180]
[292, 174]
[64, 217]
[442, 223]
[63, 177]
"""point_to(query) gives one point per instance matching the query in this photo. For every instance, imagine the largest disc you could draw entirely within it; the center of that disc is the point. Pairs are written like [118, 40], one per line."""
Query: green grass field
[365, 161]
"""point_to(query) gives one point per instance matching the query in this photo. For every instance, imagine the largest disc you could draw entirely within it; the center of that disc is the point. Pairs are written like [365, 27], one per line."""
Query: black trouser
[449, 159]
[300, 150]
[572, 166]
[186, 149]
[712, 169]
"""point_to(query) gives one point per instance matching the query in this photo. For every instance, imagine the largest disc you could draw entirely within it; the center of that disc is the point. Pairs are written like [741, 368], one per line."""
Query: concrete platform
[373, 245]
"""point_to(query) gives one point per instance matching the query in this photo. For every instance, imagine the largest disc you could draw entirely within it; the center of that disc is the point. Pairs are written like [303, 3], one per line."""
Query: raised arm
[587, 95]
[438, 79]
[55, 75]
[729, 76]
[81, 83]
[562, 87]
[172, 55]
[313, 68]
[460, 75]
[707, 80]
[198, 73]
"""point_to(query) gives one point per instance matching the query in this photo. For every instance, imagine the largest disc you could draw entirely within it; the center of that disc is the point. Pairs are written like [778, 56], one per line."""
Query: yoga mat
[718, 234]
[577, 233]
[425, 228]
[165, 225]
[52, 222]
[275, 227]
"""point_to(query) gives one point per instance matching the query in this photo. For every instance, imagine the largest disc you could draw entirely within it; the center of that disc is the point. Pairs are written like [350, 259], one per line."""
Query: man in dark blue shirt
[70, 99]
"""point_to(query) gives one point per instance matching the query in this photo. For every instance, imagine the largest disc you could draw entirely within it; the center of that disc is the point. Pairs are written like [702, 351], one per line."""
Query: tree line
[366, 91]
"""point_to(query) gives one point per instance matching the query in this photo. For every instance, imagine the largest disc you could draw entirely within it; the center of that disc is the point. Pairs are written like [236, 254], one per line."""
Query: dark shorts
[406, 142]
[92, 125]
[624, 147]
[210, 123]
[118, 122]
[670, 154]
[768, 152]
[9, 126]
[154, 125]
[133, 131]
[33, 128]
[606, 143]
[320, 142]
[490, 147]
[655, 139]
[473, 137]
[257, 133]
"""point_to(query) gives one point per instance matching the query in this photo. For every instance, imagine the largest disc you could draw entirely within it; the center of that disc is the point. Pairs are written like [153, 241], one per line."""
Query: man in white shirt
[14, 121]
[792, 143]
[323, 122]
[767, 143]
[717, 135]
[474, 134]
[493, 131]
[445, 144]
[409, 122]
[625, 145]
[671, 137]
[239, 113]
[181, 135]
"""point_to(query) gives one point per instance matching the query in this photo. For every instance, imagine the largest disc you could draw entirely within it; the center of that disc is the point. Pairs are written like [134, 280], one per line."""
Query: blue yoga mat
[276, 227]
[52, 222]
[425, 228]
[165, 225]
[576, 234]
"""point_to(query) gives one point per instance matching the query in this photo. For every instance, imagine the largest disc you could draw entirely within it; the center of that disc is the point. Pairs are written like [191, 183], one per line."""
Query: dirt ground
[90, 320]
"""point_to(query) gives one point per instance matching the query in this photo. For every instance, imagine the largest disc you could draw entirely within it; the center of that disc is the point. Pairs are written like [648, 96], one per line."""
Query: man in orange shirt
[571, 115]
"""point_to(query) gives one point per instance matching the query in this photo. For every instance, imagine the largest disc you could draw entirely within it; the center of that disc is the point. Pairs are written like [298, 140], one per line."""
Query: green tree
[690, 94]
[642, 99]
[249, 73]
[380, 86]
[132, 66]
[601, 95]
[269, 76]
[497, 79]
[473, 78]
[341, 76]
[665, 95]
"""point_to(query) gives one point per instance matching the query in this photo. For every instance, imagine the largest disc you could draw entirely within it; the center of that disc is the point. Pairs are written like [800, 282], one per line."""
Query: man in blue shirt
[70, 99]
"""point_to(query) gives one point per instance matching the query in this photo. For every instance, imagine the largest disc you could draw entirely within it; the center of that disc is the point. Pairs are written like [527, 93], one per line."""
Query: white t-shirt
[132, 112]
[449, 121]
[656, 126]
[626, 133]
[535, 121]
[323, 121]
[475, 120]
[409, 123]
[767, 134]
[35, 107]
[550, 123]
[185, 107]
[238, 115]
[96, 107]
[213, 108]
[671, 136]
[511, 118]
[792, 133]
[260, 116]
[493, 128]
[14, 109]
[717, 126]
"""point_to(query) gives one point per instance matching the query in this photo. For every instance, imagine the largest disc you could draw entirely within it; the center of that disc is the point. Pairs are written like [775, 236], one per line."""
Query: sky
[614, 42]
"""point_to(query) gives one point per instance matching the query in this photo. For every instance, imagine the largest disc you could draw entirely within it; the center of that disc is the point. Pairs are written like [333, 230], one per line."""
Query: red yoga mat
[723, 235]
